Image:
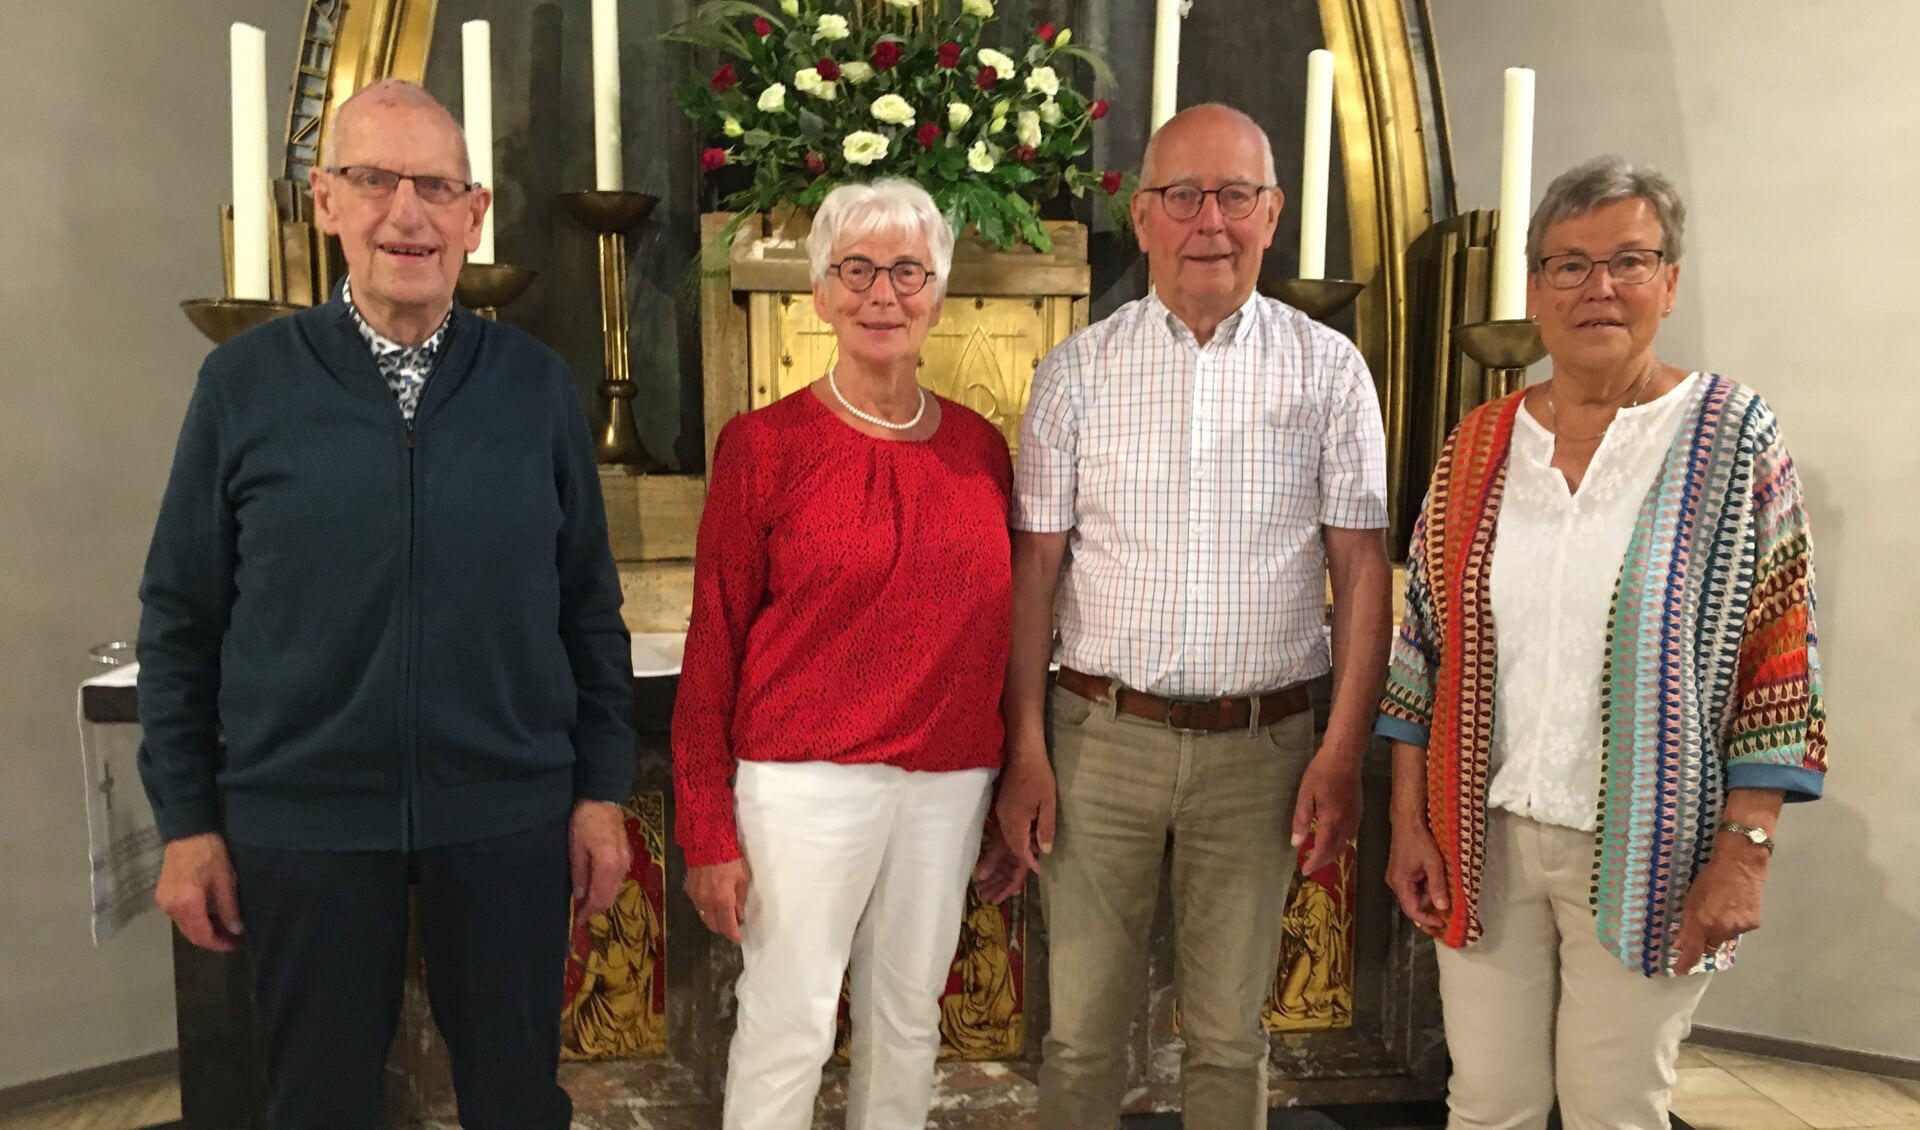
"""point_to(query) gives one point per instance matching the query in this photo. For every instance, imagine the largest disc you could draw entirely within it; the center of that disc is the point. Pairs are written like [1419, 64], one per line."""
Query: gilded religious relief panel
[1313, 988]
[616, 980]
[983, 1006]
[982, 353]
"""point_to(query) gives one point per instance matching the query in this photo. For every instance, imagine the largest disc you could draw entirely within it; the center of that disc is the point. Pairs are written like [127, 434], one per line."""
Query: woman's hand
[719, 894]
[1418, 875]
[1000, 874]
[1724, 901]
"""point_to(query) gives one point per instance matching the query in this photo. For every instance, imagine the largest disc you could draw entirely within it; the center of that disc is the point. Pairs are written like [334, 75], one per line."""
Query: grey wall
[1794, 133]
[115, 143]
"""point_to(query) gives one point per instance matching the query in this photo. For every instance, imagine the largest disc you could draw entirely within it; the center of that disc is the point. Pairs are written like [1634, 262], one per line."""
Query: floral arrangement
[817, 93]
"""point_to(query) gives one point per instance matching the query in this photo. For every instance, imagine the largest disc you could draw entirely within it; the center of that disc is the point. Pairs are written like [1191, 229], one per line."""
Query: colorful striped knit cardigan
[1712, 677]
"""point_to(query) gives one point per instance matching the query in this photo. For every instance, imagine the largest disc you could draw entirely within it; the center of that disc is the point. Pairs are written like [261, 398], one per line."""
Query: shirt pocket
[1280, 473]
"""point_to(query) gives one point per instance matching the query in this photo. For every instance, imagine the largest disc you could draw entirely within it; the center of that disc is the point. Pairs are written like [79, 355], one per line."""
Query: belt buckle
[1166, 716]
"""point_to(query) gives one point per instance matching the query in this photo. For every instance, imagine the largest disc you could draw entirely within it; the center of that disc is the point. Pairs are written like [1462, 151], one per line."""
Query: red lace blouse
[852, 603]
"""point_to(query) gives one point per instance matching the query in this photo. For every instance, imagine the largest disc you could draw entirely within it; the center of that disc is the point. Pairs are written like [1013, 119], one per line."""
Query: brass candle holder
[612, 215]
[485, 287]
[1318, 299]
[1505, 347]
[223, 319]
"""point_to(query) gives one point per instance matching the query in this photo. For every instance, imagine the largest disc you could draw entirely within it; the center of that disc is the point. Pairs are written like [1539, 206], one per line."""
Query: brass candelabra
[612, 215]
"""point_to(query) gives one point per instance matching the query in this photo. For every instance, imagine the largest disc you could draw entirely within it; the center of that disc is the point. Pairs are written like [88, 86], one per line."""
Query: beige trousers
[1226, 800]
[1538, 1008]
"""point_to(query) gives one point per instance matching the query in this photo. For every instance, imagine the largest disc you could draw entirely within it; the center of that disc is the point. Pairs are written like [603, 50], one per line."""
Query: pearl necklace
[869, 417]
[1553, 414]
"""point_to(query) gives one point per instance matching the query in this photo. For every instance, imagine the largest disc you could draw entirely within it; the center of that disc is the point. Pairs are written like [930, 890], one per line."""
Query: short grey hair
[1602, 181]
[398, 92]
[891, 205]
[1150, 172]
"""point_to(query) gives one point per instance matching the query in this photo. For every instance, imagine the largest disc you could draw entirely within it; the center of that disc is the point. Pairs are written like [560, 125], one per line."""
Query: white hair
[1602, 181]
[892, 206]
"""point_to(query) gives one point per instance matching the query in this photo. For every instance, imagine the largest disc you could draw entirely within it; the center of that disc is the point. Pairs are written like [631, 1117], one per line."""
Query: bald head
[368, 105]
[1208, 126]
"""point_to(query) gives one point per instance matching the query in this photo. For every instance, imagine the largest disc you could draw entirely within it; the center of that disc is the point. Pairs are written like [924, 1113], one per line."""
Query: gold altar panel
[982, 353]
[616, 985]
[1313, 988]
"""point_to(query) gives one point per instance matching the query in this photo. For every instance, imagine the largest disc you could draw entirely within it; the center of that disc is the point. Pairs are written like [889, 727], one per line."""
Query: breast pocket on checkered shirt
[1280, 472]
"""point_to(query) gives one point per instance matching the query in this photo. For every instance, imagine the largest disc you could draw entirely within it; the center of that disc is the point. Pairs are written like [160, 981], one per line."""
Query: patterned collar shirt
[1195, 481]
[404, 368]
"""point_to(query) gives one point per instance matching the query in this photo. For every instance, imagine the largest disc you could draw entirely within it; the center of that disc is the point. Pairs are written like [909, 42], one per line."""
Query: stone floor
[1718, 1090]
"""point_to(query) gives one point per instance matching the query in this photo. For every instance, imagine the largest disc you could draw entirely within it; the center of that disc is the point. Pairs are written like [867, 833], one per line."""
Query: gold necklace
[1553, 414]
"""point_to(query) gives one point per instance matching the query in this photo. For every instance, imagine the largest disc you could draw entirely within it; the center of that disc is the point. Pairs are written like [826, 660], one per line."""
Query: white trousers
[861, 862]
[1538, 1008]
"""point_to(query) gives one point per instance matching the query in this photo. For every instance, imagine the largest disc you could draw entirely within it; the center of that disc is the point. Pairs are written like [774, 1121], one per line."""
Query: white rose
[731, 127]
[1065, 37]
[1044, 81]
[981, 8]
[979, 159]
[958, 114]
[893, 110]
[809, 82]
[1001, 64]
[790, 7]
[1050, 112]
[856, 71]
[831, 28]
[774, 98]
[1028, 130]
[863, 148]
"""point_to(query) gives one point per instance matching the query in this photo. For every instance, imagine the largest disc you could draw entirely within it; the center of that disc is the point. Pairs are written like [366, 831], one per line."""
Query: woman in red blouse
[837, 729]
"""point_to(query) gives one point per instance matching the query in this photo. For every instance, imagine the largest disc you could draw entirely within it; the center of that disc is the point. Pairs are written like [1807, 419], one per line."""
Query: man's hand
[1025, 808]
[999, 875]
[198, 891]
[1723, 902]
[719, 894]
[600, 855]
[1329, 806]
[1418, 876]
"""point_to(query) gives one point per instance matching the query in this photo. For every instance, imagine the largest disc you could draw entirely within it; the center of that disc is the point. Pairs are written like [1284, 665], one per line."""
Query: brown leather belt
[1206, 715]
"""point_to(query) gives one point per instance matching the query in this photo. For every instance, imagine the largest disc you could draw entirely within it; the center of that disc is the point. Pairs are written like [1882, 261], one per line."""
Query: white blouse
[1556, 558]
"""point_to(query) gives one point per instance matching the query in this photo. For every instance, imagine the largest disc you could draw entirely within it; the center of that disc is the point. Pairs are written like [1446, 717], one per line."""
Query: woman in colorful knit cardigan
[1605, 685]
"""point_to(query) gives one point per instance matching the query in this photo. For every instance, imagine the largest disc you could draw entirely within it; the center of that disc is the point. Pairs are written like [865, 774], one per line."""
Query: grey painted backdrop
[1249, 53]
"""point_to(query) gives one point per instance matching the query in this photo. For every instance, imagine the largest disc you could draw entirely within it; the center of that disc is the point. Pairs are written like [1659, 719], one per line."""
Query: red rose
[1046, 33]
[1111, 182]
[949, 55]
[761, 27]
[713, 159]
[988, 76]
[1024, 153]
[1097, 109]
[885, 54]
[929, 133]
[723, 79]
[816, 164]
[828, 69]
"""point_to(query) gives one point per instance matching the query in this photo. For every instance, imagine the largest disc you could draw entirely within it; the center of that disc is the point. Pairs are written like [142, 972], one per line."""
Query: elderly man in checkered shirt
[1191, 471]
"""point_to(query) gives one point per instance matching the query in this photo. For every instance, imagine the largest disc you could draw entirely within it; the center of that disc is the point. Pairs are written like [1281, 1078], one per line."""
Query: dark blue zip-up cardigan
[407, 636]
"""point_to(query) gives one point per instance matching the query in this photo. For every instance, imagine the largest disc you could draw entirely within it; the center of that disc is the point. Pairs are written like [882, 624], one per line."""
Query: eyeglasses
[380, 184]
[1633, 265]
[1183, 201]
[858, 274]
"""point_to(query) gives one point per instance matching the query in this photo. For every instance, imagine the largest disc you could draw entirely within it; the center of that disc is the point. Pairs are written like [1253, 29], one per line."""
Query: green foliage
[1018, 143]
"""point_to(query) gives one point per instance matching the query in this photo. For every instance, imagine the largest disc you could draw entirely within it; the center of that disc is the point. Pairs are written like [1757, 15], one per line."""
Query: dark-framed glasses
[1237, 200]
[375, 183]
[858, 274]
[1629, 266]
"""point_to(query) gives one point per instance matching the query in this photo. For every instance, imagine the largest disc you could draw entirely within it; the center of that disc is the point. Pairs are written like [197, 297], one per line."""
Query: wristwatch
[1758, 836]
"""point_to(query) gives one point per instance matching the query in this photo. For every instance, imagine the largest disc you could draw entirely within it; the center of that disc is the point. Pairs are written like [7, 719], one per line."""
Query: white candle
[251, 194]
[1314, 163]
[1516, 199]
[606, 96]
[1166, 60]
[476, 74]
